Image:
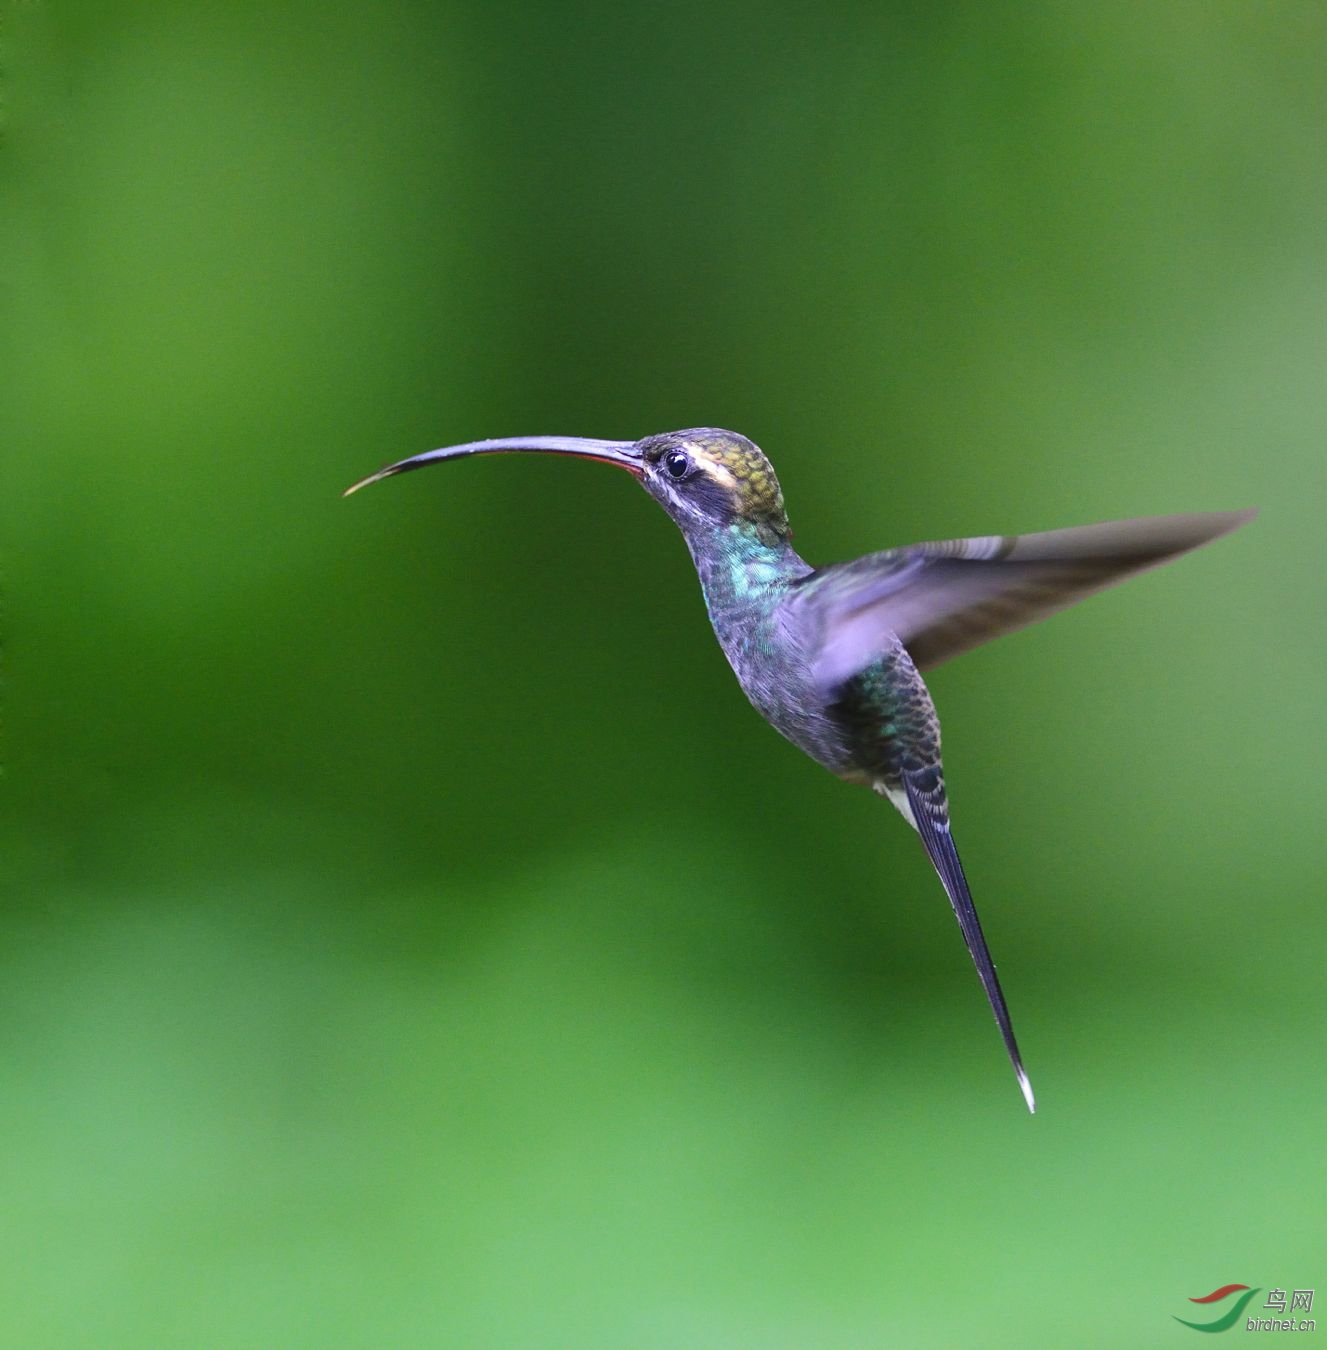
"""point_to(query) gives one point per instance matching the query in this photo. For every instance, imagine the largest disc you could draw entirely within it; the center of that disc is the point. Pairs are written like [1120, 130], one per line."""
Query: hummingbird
[832, 657]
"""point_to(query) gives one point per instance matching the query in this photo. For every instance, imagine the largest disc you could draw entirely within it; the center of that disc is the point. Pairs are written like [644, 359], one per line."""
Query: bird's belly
[863, 731]
[816, 734]
[788, 700]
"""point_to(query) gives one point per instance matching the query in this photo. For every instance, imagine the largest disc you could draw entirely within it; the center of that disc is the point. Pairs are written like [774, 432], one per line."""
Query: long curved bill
[622, 453]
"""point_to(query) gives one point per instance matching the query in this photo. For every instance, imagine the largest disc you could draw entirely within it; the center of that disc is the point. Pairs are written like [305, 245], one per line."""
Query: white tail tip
[1027, 1091]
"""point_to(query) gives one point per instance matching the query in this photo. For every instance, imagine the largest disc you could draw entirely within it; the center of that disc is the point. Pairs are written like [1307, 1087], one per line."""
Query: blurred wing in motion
[940, 599]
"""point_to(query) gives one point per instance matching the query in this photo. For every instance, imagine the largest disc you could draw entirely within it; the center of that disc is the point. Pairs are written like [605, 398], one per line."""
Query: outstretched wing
[942, 598]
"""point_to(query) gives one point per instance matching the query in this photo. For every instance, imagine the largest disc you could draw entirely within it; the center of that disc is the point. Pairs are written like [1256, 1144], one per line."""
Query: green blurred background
[411, 936]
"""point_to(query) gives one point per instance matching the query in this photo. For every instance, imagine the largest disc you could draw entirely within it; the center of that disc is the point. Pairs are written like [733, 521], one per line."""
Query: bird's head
[705, 478]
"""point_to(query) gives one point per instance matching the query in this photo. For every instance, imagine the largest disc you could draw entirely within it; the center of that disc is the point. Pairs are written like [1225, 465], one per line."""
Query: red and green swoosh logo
[1228, 1319]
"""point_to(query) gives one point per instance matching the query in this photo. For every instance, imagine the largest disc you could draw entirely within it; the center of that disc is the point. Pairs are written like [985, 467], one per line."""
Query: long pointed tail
[925, 795]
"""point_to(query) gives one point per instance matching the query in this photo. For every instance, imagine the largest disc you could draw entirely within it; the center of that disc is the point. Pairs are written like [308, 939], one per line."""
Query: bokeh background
[411, 937]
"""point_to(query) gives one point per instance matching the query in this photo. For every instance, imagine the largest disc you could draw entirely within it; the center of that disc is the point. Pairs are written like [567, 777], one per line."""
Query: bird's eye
[676, 463]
